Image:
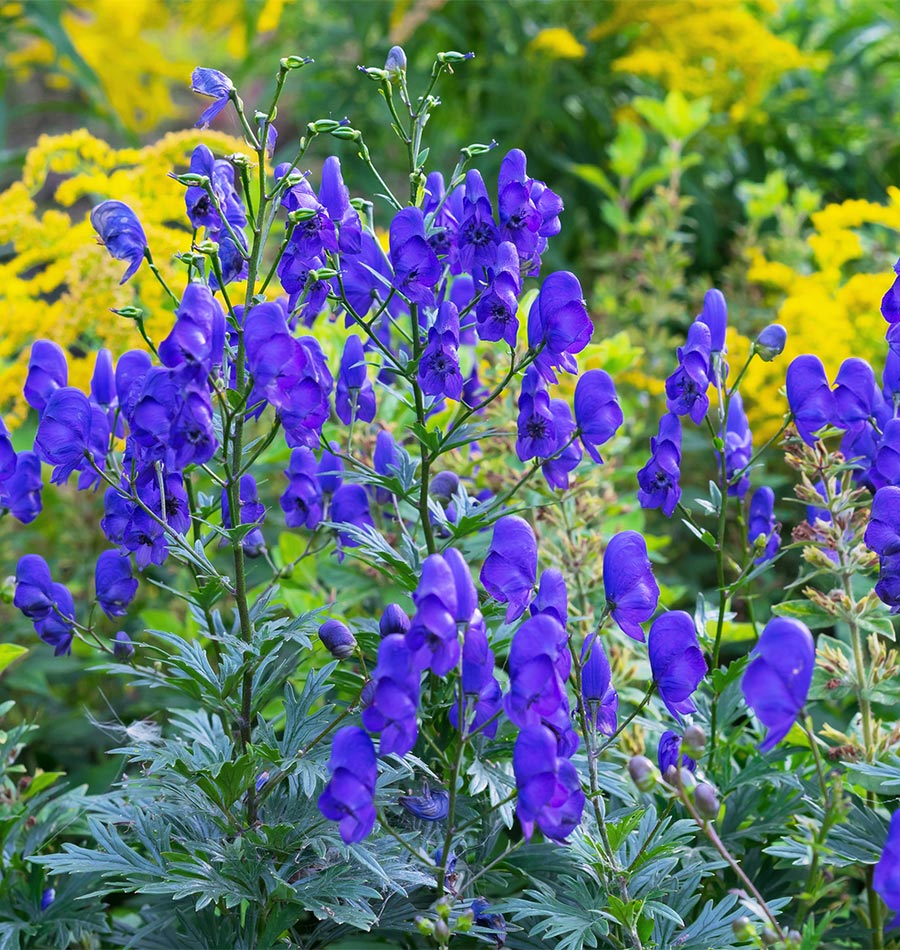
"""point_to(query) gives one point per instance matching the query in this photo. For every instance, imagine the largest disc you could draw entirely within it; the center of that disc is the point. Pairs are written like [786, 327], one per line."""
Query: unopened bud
[743, 928]
[347, 134]
[770, 342]
[393, 620]
[441, 931]
[769, 937]
[706, 801]
[8, 590]
[464, 922]
[337, 638]
[451, 56]
[123, 648]
[443, 485]
[443, 908]
[686, 779]
[47, 898]
[643, 772]
[424, 926]
[323, 126]
[395, 64]
[670, 776]
[693, 742]
[295, 62]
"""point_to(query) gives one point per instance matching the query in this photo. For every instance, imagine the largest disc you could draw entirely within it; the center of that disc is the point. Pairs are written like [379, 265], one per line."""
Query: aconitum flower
[216, 85]
[890, 302]
[667, 754]
[715, 316]
[520, 219]
[439, 373]
[658, 480]
[47, 372]
[21, 492]
[770, 342]
[349, 796]
[350, 505]
[597, 410]
[301, 501]
[496, 311]
[354, 396]
[676, 660]
[631, 591]
[761, 522]
[738, 446]
[121, 233]
[337, 639]
[432, 636]
[103, 383]
[394, 619]
[809, 396]
[558, 324]
[567, 454]
[252, 512]
[114, 583]
[333, 194]
[886, 879]
[777, 681]
[429, 806]
[64, 433]
[416, 267]
[123, 647]
[394, 698]
[686, 388]
[482, 696]
[856, 394]
[34, 587]
[539, 665]
[57, 629]
[478, 237]
[548, 787]
[599, 695]
[883, 532]
[510, 570]
[198, 337]
[536, 428]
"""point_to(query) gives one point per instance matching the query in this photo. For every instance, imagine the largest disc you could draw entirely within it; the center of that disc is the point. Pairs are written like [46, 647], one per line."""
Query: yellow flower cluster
[557, 43]
[715, 48]
[833, 311]
[135, 54]
[61, 283]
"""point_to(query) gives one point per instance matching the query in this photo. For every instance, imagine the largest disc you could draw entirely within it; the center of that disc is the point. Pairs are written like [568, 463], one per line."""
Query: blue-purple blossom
[416, 267]
[433, 635]
[354, 395]
[481, 696]
[394, 697]
[510, 570]
[686, 388]
[548, 787]
[216, 85]
[496, 313]
[883, 531]
[770, 342]
[478, 237]
[558, 324]
[331, 469]
[47, 897]
[886, 877]
[495, 922]
[301, 501]
[597, 410]
[350, 505]
[21, 492]
[114, 583]
[658, 480]
[856, 394]
[349, 796]
[47, 372]
[335, 197]
[536, 426]
[439, 373]
[64, 433]
[121, 233]
[715, 316]
[777, 681]
[567, 453]
[429, 806]
[761, 523]
[738, 441]
[599, 695]
[103, 382]
[552, 597]
[809, 396]
[890, 302]
[676, 660]
[668, 753]
[34, 587]
[631, 591]
[337, 639]
[123, 647]
[252, 512]
[198, 338]
[394, 619]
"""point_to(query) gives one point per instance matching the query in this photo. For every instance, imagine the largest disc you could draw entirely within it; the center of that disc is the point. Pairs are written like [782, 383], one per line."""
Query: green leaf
[628, 149]
[41, 781]
[594, 175]
[9, 653]
[814, 617]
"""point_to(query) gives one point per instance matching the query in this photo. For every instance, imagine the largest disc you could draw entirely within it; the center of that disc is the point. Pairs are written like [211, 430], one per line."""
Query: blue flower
[686, 388]
[658, 480]
[548, 786]
[394, 619]
[496, 313]
[567, 454]
[777, 681]
[416, 267]
[354, 396]
[252, 512]
[21, 492]
[114, 583]
[349, 796]
[552, 597]
[669, 754]
[350, 505]
[64, 433]
[597, 692]
[558, 324]
[738, 441]
[394, 697]
[676, 660]
[536, 426]
[886, 878]
[478, 237]
[47, 372]
[34, 587]
[432, 635]
[198, 338]
[770, 342]
[597, 410]
[337, 639]
[809, 396]
[482, 697]
[509, 571]
[123, 648]
[761, 522]
[335, 197]
[629, 586]
[439, 373]
[216, 85]
[121, 233]
[301, 501]
[429, 806]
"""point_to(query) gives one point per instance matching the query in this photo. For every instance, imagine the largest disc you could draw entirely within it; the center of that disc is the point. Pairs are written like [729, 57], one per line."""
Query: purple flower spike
[777, 681]
[121, 233]
[349, 796]
[114, 583]
[64, 433]
[658, 480]
[600, 697]
[676, 660]
[354, 395]
[549, 789]
[632, 593]
[597, 410]
[510, 569]
[809, 396]
[47, 372]
[216, 85]
[762, 521]
[886, 879]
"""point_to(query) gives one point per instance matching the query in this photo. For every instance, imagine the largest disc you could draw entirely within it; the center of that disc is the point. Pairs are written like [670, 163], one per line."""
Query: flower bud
[452, 56]
[338, 639]
[322, 126]
[769, 937]
[670, 776]
[295, 62]
[8, 590]
[443, 485]
[686, 779]
[743, 928]
[123, 648]
[47, 898]
[393, 620]
[395, 64]
[706, 801]
[770, 342]
[347, 134]
[443, 908]
[441, 931]
[464, 922]
[693, 742]
[261, 780]
[643, 772]
[424, 926]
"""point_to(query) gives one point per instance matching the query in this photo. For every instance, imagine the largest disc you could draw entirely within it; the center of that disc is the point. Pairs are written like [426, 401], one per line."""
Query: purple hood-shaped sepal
[349, 796]
[809, 396]
[631, 591]
[676, 661]
[510, 569]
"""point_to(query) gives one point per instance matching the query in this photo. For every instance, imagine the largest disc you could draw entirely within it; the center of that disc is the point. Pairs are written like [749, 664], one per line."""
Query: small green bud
[424, 926]
[8, 591]
[130, 313]
[323, 126]
[693, 742]
[643, 772]
[443, 908]
[346, 134]
[190, 179]
[295, 62]
[301, 214]
[374, 73]
[464, 922]
[238, 160]
[451, 56]
[478, 148]
[743, 928]
[207, 247]
[706, 801]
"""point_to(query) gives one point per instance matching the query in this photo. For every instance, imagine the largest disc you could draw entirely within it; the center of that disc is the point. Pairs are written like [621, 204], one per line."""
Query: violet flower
[676, 660]
[631, 591]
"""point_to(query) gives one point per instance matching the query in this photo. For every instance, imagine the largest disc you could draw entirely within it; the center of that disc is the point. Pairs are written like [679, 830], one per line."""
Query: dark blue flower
[354, 396]
[47, 372]
[216, 85]
[631, 591]
[58, 629]
[123, 648]
[349, 796]
[64, 433]
[114, 583]
[883, 531]
[429, 806]
[738, 441]
[496, 313]
[761, 522]
[394, 698]
[121, 233]
[331, 469]
[21, 492]
[478, 237]
[890, 302]
[433, 635]
[47, 898]
[886, 877]
[777, 681]
[567, 454]
[548, 787]
[301, 501]
[34, 587]
[667, 754]
[686, 388]
[337, 639]
[394, 619]
[676, 660]
[333, 194]
[198, 337]
[350, 505]
[597, 692]
[439, 373]
[510, 570]
[481, 695]
[103, 382]
[552, 597]
[558, 324]
[416, 267]
[536, 427]
[770, 342]
[597, 410]
[252, 513]
[539, 666]
[809, 396]
[715, 316]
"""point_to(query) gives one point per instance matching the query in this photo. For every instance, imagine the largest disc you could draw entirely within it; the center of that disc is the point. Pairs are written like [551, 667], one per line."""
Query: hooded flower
[761, 522]
[686, 387]
[349, 796]
[114, 583]
[777, 681]
[439, 373]
[121, 233]
[478, 236]
[510, 569]
[21, 492]
[559, 324]
[354, 396]
[432, 635]
[394, 697]
[669, 753]
[301, 501]
[429, 806]
[597, 410]
[496, 313]
[416, 267]
[64, 433]
[738, 441]
[350, 505]
[216, 85]
[34, 587]
[198, 337]
[600, 697]
[47, 372]
[676, 660]
[481, 695]
[567, 453]
[536, 426]
[658, 480]
[632, 593]
[809, 396]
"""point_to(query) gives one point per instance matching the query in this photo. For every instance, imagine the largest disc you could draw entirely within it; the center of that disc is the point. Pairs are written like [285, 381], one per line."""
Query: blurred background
[746, 145]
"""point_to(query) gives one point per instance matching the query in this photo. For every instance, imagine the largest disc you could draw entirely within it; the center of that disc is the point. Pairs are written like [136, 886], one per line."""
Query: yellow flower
[557, 43]
[62, 283]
